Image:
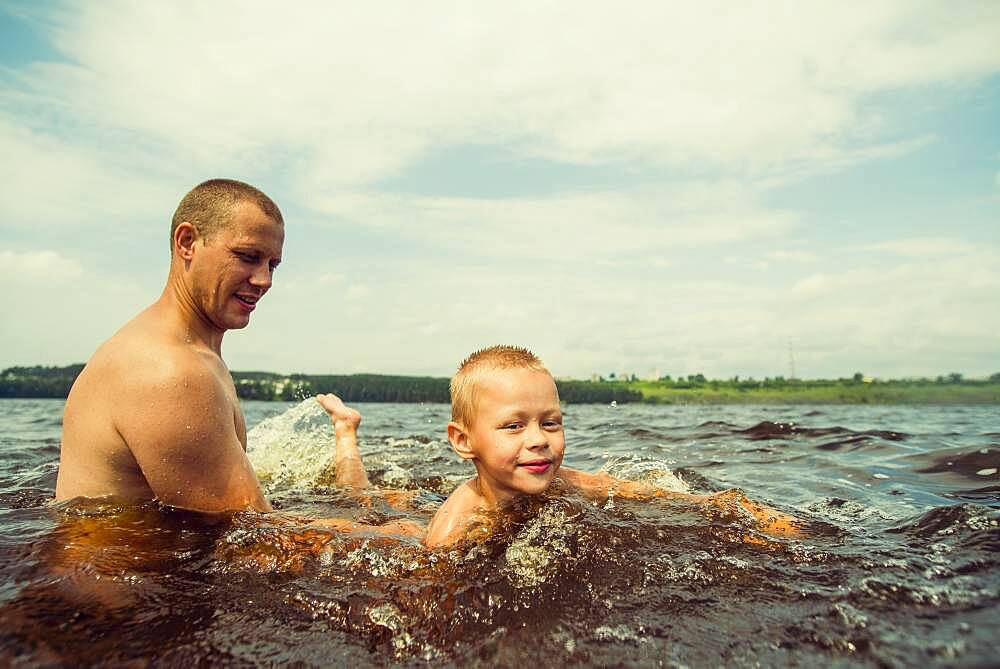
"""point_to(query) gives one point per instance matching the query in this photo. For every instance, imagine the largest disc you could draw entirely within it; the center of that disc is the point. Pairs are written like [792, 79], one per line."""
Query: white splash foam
[293, 447]
[538, 548]
[653, 472]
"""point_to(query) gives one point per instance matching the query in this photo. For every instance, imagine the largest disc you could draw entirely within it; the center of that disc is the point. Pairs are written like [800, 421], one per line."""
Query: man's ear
[185, 235]
[460, 441]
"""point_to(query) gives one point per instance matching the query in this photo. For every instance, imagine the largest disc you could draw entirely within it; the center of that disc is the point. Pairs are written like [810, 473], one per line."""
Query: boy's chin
[536, 488]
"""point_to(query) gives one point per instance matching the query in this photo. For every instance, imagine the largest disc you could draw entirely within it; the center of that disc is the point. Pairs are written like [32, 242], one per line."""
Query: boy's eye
[511, 426]
[552, 424]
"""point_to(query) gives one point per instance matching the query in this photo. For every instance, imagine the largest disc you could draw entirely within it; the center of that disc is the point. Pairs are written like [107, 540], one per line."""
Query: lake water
[898, 568]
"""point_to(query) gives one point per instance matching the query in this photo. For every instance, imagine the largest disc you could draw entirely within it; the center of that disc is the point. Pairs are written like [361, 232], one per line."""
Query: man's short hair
[209, 206]
[470, 372]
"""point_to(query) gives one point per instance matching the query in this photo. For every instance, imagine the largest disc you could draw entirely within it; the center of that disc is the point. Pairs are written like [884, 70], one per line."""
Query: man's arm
[179, 424]
[602, 485]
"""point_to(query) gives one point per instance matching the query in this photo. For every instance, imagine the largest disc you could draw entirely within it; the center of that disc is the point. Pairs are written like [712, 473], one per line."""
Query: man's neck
[177, 306]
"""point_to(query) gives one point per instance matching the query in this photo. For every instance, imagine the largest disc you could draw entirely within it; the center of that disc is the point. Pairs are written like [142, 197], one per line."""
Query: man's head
[209, 206]
[507, 420]
[226, 241]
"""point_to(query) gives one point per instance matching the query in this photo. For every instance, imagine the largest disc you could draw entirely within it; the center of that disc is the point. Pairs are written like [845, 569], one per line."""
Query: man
[154, 414]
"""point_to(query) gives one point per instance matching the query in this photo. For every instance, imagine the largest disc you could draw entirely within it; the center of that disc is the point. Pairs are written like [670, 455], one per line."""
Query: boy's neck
[489, 498]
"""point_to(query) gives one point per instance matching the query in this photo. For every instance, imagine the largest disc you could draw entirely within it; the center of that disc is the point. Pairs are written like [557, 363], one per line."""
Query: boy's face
[516, 437]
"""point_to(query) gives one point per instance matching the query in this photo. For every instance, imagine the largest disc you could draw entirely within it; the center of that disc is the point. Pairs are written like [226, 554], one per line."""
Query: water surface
[899, 566]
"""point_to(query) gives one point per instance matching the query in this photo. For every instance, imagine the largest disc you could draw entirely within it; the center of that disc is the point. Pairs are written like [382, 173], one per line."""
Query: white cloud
[710, 107]
[35, 266]
[49, 296]
[583, 226]
[794, 256]
[889, 319]
[54, 182]
[354, 93]
[922, 247]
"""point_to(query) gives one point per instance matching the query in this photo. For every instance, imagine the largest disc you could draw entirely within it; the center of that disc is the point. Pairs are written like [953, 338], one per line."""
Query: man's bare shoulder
[452, 520]
[132, 378]
[138, 365]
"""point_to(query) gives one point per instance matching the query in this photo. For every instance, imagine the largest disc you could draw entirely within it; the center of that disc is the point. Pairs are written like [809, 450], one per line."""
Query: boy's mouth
[536, 466]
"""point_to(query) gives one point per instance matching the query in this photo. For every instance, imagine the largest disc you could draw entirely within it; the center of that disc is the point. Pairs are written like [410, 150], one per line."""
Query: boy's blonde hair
[463, 384]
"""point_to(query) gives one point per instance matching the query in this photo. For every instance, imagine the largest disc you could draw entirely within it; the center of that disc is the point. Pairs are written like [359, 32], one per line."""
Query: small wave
[857, 439]
[990, 493]
[955, 523]
[978, 464]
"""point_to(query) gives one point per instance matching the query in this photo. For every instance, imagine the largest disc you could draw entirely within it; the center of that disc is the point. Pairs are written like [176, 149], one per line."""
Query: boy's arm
[602, 485]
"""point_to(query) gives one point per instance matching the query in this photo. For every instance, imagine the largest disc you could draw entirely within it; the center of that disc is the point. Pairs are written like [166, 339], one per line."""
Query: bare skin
[519, 426]
[350, 471]
[154, 414]
[516, 443]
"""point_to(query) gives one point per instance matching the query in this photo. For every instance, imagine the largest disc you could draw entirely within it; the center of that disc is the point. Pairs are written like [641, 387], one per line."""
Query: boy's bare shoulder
[452, 520]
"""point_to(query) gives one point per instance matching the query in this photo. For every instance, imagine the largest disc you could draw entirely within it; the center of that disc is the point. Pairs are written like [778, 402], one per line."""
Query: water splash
[644, 470]
[540, 547]
[292, 448]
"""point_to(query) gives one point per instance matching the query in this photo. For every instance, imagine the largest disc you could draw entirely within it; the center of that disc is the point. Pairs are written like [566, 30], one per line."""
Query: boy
[507, 420]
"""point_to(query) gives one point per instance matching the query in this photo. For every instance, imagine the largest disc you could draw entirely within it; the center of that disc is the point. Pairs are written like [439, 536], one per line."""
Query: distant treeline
[38, 381]
[56, 382]
[695, 388]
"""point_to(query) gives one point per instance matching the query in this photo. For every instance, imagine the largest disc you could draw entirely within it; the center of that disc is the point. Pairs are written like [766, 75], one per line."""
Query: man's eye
[246, 257]
[273, 266]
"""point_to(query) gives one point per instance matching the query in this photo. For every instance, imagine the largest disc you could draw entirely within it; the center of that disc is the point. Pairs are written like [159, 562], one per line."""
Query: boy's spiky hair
[463, 384]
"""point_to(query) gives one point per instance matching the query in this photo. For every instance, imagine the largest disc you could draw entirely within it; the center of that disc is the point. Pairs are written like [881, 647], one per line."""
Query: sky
[648, 188]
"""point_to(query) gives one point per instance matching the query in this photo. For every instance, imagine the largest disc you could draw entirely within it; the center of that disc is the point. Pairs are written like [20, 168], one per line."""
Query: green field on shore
[822, 392]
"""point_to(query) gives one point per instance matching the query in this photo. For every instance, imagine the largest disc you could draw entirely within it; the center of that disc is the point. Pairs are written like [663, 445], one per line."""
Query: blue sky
[672, 189]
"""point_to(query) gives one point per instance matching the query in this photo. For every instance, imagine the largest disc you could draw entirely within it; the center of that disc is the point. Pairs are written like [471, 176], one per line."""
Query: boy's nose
[537, 437]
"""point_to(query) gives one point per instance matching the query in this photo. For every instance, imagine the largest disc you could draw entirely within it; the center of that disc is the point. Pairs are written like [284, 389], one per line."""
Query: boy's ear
[460, 441]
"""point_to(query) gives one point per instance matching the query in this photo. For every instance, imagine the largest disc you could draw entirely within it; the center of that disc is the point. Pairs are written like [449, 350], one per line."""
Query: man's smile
[249, 301]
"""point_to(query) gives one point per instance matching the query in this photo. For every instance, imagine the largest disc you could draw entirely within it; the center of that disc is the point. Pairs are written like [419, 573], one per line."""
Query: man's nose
[262, 276]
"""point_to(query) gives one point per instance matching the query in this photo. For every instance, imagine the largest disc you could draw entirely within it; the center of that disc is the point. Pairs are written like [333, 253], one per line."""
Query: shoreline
[55, 383]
